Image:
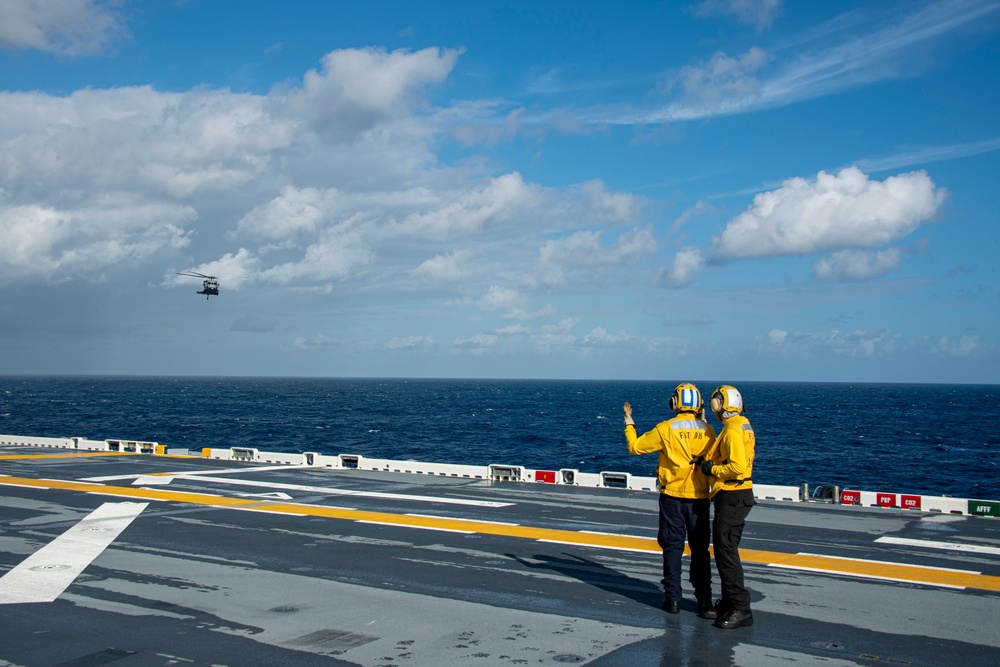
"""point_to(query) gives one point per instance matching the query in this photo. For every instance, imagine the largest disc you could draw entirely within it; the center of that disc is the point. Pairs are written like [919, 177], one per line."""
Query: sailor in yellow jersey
[729, 465]
[684, 507]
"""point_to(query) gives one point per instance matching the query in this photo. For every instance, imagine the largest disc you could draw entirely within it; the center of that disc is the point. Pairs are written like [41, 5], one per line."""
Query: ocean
[900, 438]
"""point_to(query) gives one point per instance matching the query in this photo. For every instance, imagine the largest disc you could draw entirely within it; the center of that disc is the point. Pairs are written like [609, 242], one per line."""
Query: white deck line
[602, 546]
[45, 574]
[944, 546]
[409, 525]
[856, 575]
[887, 562]
[341, 492]
[181, 473]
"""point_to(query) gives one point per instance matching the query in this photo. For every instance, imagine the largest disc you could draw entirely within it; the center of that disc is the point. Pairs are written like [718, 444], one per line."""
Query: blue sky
[705, 189]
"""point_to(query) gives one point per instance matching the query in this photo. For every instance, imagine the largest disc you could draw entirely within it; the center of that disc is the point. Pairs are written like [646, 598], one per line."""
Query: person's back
[684, 438]
[680, 443]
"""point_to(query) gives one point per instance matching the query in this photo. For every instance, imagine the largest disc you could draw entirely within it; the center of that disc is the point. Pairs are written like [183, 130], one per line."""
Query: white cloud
[858, 264]
[166, 157]
[445, 268]
[601, 337]
[758, 13]
[580, 252]
[166, 145]
[688, 262]
[776, 336]
[470, 211]
[318, 342]
[606, 206]
[723, 77]
[336, 254]
[65, 27]
[329, 178]
[408, 342]
[357, 88]
[965, 346]
[56, 244]
[559, 339]
[727, 86]
[501, 298]
[834, 212]
[929, 154]
[859, 343]
[523, 314]
[292, 212]
[558, 335]
[511, 304]
[700, 208]
[476, 344]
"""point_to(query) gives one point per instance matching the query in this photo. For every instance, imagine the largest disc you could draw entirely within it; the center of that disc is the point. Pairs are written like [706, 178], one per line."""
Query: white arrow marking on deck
[274, 495]
[944, 546]
[45, 574]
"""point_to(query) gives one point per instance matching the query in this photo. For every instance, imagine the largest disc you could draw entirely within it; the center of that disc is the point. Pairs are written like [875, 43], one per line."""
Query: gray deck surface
[188, 583]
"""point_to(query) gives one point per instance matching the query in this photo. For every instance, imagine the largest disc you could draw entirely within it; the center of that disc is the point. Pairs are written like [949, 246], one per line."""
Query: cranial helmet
[727, 399]
[686, 398]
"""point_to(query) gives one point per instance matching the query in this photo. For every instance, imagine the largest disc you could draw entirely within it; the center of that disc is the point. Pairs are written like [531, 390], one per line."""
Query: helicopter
[209, 286]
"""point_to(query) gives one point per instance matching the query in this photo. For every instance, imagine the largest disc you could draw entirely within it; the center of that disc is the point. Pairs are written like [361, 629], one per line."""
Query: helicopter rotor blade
[194, 274]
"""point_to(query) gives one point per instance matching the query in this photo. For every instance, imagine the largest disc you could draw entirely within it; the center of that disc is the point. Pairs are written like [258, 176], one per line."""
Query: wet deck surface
[214, 563]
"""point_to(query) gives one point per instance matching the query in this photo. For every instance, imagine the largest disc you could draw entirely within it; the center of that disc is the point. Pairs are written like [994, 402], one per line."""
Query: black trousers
[680, 517]
[731, 510]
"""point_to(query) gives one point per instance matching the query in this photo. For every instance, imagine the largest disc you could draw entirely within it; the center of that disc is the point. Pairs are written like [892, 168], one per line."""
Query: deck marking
[45, 574]
[275, 495]
[180, 473]
[914, 574]
[67, 455]
[162, 478]
[410, 525]
[576, 543]
[150, 480]
[436, 516]
[945, 546]
[346, 492]
[889, 562]
[858, 575]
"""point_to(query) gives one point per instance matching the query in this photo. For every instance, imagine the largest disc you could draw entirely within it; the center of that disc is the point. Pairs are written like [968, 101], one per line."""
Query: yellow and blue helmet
[686, 398]
[727, 398]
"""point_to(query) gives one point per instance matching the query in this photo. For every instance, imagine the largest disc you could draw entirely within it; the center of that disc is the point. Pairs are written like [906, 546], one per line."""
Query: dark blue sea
[902, 438]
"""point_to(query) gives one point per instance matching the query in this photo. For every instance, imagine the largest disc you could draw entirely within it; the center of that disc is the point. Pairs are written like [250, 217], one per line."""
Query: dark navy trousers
[680, 517]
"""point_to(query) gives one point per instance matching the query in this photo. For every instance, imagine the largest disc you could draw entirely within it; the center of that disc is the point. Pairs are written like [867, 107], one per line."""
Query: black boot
[671, 606]
[736, 618]
[706, 609]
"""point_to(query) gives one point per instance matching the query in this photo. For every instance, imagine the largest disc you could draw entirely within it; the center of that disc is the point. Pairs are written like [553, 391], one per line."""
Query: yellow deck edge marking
[892, 571]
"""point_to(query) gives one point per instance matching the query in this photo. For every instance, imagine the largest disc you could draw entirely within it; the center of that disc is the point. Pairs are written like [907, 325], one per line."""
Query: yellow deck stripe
[828, 564]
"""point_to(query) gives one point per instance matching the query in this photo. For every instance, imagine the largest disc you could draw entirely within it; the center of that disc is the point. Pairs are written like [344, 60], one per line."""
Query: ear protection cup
[729, 399]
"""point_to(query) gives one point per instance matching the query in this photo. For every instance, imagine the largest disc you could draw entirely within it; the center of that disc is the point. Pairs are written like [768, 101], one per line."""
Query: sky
[740, 190]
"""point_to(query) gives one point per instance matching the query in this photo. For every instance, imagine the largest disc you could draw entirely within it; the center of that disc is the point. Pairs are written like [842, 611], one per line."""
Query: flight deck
[144, 557]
